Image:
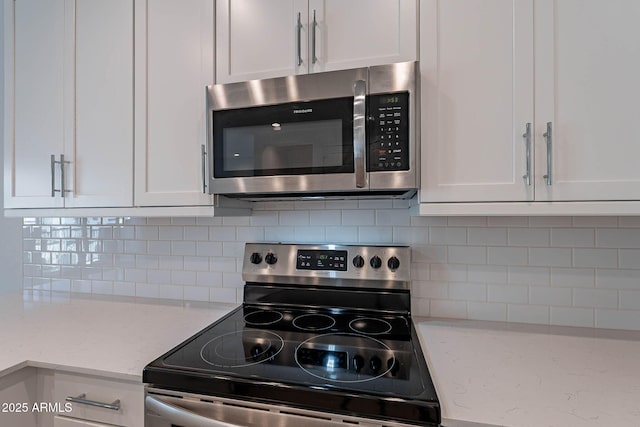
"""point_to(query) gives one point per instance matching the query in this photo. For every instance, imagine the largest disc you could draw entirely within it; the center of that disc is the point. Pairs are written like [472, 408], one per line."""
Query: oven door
[298, 141]
[170, 409]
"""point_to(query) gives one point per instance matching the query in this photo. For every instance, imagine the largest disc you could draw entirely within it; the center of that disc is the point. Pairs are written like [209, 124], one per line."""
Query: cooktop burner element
[370, 326]
[316, 332]
[314, 322]
[243, 348]
[263, 317]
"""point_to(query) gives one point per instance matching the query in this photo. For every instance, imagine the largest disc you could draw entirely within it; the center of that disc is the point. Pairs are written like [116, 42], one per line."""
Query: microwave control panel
[388, 132]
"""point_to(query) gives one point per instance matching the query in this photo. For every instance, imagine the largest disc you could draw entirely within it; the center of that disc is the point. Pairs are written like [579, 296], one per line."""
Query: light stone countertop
[113, 336]
[485, 373]
[518, 375]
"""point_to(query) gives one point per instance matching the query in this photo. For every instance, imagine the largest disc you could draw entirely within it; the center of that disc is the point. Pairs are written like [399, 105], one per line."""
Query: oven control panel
[321, 260]
[389, 132]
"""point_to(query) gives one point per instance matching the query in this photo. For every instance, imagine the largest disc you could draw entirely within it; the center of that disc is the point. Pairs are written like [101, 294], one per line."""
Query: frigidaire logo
[304, 111]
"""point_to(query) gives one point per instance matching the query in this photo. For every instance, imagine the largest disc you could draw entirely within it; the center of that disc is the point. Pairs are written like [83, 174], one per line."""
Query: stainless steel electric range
[324, 336]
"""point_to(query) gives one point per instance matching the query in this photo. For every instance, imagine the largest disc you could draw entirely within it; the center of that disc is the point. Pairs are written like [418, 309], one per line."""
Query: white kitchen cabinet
[476, 62]
[60, 421]
[479, 83]
[587, 67]
[174, 62]
[18, 392]
[257, 39]
[69, 92]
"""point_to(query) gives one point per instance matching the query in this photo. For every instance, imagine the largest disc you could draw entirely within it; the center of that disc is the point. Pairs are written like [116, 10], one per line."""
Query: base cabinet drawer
[97, 400]
[59, 421]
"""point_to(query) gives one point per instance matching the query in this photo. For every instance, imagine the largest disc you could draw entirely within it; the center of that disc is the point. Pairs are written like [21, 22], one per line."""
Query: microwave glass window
[286, 139]
[281, 146]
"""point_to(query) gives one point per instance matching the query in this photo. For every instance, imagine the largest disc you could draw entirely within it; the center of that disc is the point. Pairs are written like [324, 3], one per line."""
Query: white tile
[32, 270]
[279, 234]
[568, 316]
[467, 221]
[171, 262]
[309, 234]
[523, 275]
[428, 221]
[222, 295]
[222, 233]
[233, 249]
[161, 247]
[159, 277]
[450, 309]
[209, 278]
[195, 263]
[449, 272]
[420, 271]
[232, 280]
[530, 237]
[341, 204]
[92, 273]
[135, 275]
[497, 255]
[618, 279]
[376, 204]
[358, 217]
[511, 294]
[628, 238]
[420, 307]
[308, 205]
[123, 232]
[508, 221]
[264, 218]
[236, 220]
[629, 258]
[183, 277]
[430, 289]
[171, 292]
[447, 235]
[467, 254]
[102, 287]
[573, 237]
[629, 300]
[208, 220]
[292, 218]
[342, 234]
[222, 264]
[550, 221]
[124, 260]
[82, 286]
[185, 248]
[489, 236]
[537, 314]
[197, 233]
[629, 221]
[550, 257]
[274, 206]
[147, 290]
[431, 254]
[595, 258]
[573, 277]
[146, 232]
[180, 220]
[487, 273]
[595, 221]
[97, 232]
[595, 298]
[325, 217]
[410, 235]
[613, 319]
[146, 261]
[158, 221]
[392, 217]
[171, 233]
[489, 311]
[124, 289]
[375, 235]
[541, 295]
[61, 285]
[250, 234]
[468, 291]
[194, 293]
[135, 246]
[208, 248]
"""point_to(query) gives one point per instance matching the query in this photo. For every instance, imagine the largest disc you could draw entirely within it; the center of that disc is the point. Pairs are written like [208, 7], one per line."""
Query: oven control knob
[358, 363]
[358, 261]
[375, 364]
[255, 258]
[270, 355]
[375, 262]
[271, 258]
[393, 263]
[393, 366]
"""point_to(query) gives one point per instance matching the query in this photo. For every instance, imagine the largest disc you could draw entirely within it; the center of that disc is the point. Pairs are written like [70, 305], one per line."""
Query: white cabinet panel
[35, 87]
[59, 421]
[477, 97]
[357, 33]
[178, 38]
[260, 39]
[587, 68]
[102, 165]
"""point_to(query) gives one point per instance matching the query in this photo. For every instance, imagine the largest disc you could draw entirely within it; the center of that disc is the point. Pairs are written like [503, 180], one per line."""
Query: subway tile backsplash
[578, 271]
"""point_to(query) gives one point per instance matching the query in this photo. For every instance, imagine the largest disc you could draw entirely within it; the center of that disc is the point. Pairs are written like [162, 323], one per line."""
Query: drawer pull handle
[114, 406]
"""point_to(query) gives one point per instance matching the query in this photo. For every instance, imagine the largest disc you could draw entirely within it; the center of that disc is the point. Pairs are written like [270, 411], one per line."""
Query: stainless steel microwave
[338, 134]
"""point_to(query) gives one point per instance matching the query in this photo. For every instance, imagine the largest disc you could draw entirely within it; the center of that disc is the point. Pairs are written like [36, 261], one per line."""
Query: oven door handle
[359, 132]
[181, 416]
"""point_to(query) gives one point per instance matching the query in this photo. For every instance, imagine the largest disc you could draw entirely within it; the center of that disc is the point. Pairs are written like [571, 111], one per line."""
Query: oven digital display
[321, 260]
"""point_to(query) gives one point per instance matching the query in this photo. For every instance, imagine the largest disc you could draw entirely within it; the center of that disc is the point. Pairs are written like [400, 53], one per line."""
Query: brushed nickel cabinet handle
[527, 142]
[314, 58]
[114, 406]
[299, 31]
[53, 176]
[203, 159]
[548, 136]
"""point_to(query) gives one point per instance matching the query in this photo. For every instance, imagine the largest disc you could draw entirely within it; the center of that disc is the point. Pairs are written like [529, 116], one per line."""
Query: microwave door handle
[359, 132]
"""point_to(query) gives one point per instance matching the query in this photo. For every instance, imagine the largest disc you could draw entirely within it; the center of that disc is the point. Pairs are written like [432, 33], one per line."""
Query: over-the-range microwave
[338, 134]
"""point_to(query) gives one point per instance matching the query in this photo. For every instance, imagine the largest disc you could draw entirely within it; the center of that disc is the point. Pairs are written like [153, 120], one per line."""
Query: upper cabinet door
[36, 62]
[358, 33]
[476, 61]
[100, 172]
[587, 68]
[259, 39]
[174, 63]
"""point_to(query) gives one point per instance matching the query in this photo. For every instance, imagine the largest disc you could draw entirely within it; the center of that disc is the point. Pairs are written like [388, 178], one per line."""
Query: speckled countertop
[486, 373]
